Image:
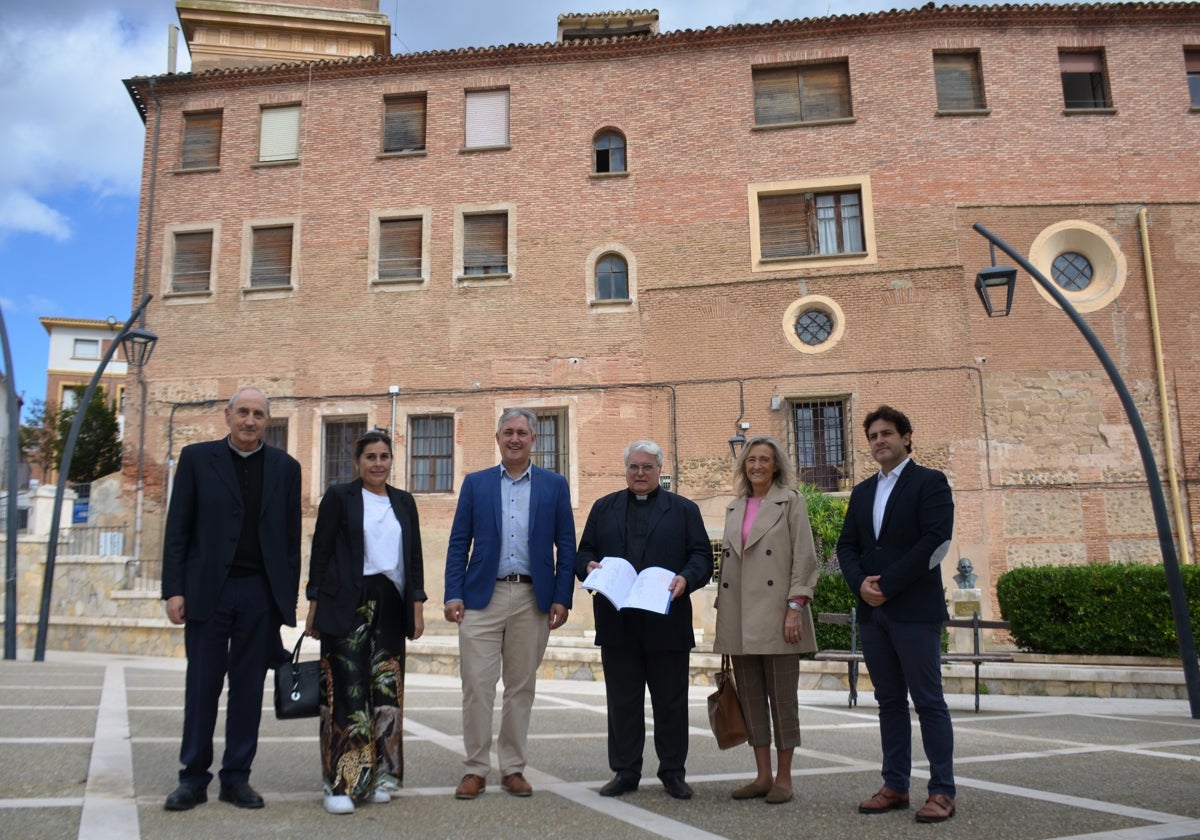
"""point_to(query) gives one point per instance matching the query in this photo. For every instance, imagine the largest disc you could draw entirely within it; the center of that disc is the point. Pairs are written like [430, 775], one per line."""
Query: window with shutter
[808, 93]
[280, 134]
[485, 244]
[400, 249]
[192, 266]
[959, 81]
[487, 118]
[271, 260]
[804, 224]
[404, 123]
[1084, 79]
[201, 140]
[431, 454]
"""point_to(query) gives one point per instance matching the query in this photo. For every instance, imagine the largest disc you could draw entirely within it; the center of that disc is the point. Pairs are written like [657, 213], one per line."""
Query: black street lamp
[1179, 605]
[139, 344]
[11, 459]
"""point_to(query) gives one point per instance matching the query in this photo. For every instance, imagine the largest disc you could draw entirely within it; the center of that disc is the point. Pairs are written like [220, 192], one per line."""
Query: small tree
[98, 447]
[39, 437]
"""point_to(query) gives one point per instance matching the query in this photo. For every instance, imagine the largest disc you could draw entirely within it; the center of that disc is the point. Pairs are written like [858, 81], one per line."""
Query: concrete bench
[853, 656]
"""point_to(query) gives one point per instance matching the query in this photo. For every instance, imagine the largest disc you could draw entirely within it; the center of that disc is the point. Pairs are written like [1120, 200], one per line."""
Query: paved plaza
[90, 746]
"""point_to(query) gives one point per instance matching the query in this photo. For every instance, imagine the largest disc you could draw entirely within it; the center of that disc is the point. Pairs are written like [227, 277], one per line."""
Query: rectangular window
[86, 348]
[550, 449]
[808, 93]
[959, 81]
[807, 224]
[487, 118]
[404, 123]
[201, 140]
[1084, 79]
[192, 266]
[485, 244]
[276, 433]
[271, 260]
[431, 454]
[339, 455]
[1191, 58]
[818, 433]
[400, 249]
[280, 134]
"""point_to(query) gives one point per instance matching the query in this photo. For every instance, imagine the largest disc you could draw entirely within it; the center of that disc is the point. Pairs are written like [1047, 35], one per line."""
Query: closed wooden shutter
[193, 262]
[487, 118]
[201, 140]
[784, 226]
[272, 259]
[824, 92]
[280, 136]
[404, 123]
[400, 249]
[485, 244]
[1191, 59]
[959, 83]
[1081, 62]
[776, 96]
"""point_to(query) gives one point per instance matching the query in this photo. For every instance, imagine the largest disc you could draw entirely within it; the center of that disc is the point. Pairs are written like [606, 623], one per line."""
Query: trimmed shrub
[1101, 609]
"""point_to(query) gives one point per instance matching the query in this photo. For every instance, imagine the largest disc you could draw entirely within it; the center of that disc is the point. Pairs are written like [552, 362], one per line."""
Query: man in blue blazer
[231, 574]
[648, 526]
[509, 567]
[896, 533]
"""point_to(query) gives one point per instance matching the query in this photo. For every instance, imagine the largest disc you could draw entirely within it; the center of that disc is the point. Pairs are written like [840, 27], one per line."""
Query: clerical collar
[646, 497]
[240, 452]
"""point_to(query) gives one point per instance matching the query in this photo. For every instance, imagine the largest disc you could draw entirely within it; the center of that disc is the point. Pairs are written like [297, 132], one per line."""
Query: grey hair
[243, 390]
[648, 446]
[512, 413]
[784, 476]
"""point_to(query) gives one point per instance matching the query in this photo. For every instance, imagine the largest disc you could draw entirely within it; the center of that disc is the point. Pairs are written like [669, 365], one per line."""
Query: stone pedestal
[964, 603]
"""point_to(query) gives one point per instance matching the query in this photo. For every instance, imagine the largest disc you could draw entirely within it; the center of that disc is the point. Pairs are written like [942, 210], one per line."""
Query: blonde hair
[784, 476]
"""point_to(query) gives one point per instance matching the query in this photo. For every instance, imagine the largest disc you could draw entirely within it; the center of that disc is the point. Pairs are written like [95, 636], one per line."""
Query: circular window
[1083, 260]
[1072, 271]
[813, 324]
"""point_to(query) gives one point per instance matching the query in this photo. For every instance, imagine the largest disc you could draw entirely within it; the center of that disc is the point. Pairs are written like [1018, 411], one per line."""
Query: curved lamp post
[10, 543]
[995, 277]
[139, 344]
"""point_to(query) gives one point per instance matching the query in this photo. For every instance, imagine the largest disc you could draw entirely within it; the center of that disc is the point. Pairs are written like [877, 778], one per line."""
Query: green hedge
[1101, 609]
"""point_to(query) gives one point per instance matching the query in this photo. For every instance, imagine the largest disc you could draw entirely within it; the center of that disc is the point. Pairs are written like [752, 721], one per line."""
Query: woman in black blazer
[366, 593]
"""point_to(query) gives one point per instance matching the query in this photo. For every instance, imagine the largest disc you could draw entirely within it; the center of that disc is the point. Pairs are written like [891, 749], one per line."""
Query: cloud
[69, 123]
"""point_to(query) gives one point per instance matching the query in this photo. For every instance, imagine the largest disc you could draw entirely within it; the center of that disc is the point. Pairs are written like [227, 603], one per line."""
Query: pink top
[752, 507]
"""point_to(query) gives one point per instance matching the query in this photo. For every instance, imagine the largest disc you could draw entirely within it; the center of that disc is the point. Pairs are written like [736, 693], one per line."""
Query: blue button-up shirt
[514, 515]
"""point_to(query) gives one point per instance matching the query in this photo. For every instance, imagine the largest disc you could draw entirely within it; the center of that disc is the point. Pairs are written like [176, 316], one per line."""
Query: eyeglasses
[638, 468]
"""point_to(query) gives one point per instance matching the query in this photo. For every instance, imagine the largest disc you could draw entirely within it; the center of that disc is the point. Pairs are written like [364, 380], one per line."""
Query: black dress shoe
[241, 795]
[677, 787]
[619, 785]
[186, 797]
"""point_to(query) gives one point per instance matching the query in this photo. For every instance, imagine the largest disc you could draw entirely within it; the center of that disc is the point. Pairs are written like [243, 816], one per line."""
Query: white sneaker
[339, 804]
[380, 796]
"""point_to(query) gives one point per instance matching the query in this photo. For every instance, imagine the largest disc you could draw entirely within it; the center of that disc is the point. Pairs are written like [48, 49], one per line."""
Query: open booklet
[618, 581]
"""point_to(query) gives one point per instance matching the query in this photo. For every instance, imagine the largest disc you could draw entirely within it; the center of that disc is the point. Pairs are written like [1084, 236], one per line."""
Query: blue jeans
[905, 658]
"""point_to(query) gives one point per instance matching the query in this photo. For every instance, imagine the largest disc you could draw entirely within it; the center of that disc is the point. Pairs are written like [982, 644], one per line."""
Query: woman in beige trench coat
[764, 618]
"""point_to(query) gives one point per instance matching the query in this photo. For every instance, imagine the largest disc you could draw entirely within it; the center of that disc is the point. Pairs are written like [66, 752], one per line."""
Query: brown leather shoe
[937, 808]
[515, 784]
[884, 800]
[470, 787]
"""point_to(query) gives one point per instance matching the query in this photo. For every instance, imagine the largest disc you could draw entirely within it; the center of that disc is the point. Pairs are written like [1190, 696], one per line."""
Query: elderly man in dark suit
[647, 526]
[231, 574]
[896, 533]
[509, 563]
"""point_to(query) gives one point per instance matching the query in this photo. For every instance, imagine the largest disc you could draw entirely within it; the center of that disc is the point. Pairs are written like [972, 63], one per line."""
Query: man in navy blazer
[231, 574]
[509, 575]
[648, 526]
[896, 533]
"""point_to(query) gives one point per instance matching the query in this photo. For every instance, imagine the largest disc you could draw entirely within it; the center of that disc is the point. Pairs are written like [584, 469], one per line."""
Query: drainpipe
[1164, 408]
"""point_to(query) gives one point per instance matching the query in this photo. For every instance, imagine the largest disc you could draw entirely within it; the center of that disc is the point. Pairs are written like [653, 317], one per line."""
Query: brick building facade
[666, 235]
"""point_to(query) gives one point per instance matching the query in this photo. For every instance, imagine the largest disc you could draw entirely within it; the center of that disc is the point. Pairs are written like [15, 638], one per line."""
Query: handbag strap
[726, 665]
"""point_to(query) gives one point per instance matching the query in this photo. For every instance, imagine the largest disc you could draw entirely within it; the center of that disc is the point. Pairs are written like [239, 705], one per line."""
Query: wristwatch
[796, 604]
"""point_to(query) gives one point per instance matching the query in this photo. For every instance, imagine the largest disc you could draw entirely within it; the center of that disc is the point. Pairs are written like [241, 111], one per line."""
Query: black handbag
[297, 687]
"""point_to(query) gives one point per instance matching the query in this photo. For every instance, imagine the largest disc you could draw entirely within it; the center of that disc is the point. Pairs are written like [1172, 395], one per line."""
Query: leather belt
[515, 579]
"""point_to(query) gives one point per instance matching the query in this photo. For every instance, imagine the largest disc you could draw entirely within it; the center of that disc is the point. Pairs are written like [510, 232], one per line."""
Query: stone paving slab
[1028, 768]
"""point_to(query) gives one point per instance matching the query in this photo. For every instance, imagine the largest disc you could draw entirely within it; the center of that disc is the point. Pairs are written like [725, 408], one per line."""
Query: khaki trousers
[506, 639]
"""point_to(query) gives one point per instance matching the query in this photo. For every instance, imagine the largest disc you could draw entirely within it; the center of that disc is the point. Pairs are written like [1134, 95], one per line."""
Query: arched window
[612, 278]
[610, 152]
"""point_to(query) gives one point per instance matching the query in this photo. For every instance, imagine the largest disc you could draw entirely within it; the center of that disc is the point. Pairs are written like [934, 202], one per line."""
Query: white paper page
[652, 590]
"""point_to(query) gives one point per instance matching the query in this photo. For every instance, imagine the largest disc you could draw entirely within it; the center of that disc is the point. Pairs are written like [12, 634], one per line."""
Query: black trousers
[628, 672]
[237, 641]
